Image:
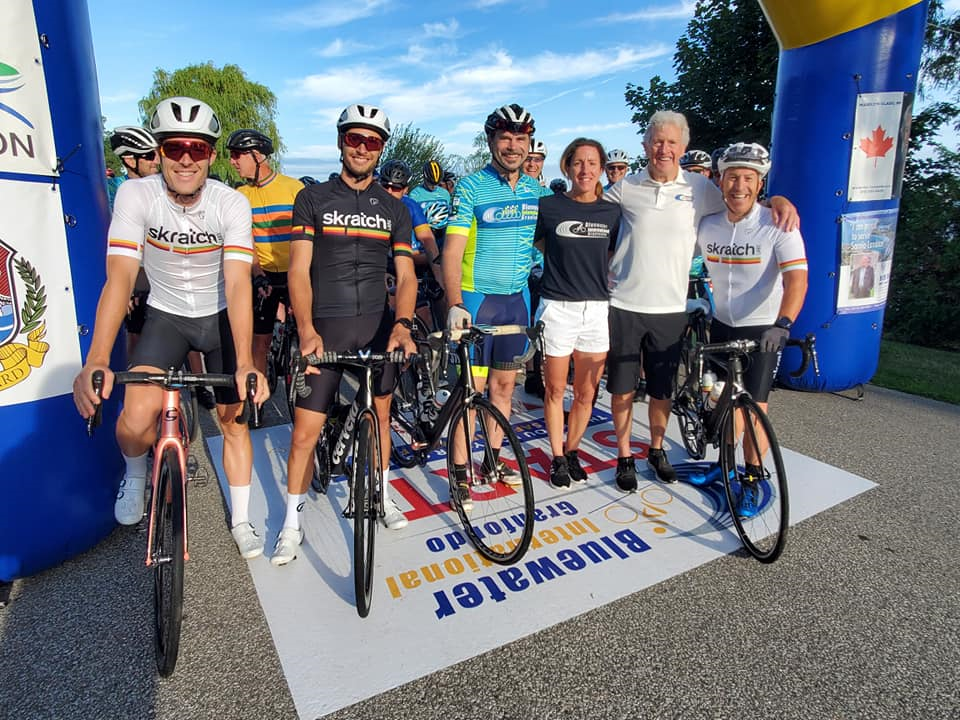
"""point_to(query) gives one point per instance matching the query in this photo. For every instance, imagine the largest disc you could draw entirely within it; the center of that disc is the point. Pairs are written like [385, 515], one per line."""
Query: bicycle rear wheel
[168, 562]
[323, 460]
[405, 436]
[365, 474]
[754, 479]
[500, 525]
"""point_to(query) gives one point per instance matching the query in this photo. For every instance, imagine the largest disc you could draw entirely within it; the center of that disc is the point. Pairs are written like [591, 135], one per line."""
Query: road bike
[750, 462]
[167, 546]
[426, 409]
[356, 447]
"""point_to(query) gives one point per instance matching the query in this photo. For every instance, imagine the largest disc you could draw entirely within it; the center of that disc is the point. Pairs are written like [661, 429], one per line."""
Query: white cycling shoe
[285, 550]
[392, 517]
[128, 508]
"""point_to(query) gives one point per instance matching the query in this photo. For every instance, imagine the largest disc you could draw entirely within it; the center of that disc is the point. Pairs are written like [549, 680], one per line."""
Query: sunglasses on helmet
[198, 150]
[520, 128]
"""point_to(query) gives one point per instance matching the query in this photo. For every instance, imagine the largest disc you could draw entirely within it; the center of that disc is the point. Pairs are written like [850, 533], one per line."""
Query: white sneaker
[128, 509]
[392, 517]
[248, 542]
[285, 550]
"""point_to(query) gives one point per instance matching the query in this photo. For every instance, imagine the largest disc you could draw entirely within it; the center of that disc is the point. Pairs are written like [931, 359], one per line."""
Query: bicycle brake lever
[94, 420]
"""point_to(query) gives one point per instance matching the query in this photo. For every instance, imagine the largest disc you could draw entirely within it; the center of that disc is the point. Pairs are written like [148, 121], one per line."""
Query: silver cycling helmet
[185, 117]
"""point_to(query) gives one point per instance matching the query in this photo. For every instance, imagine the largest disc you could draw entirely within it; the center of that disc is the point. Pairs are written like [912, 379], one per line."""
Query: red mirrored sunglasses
[518, 128]
[196, 149]
[373, 143]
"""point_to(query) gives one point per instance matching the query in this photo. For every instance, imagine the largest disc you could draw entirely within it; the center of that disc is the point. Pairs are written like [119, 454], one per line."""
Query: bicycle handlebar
[473, 333]
[174, 379]
[808, 349]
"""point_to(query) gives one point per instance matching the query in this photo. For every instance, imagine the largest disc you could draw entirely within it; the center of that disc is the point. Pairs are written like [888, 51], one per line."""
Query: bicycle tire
[322, 460]
[365, 474]
[764, 534]
[500, 526]
[190, 413]
[168, 542]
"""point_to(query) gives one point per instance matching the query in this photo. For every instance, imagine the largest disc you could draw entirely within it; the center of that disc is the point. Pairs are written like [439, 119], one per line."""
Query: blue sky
[442, 66]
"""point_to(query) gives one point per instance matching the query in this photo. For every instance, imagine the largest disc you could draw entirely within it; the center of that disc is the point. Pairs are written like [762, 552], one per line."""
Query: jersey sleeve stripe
[302, 232]
[799, 264]
[123, 244]
[238, 252]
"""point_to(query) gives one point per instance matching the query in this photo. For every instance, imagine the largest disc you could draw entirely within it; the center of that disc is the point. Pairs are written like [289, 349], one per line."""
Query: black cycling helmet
[307, 180]
[558, 186]
[432, 172]
[132, 140]
[247, 140]
[395, 172]
[512, 118]
[449, 176]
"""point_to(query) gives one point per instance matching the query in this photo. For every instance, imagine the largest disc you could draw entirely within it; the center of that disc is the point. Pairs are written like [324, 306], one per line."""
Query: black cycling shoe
[577, 473]
[559, 473]
[658, 462]
[626, 474]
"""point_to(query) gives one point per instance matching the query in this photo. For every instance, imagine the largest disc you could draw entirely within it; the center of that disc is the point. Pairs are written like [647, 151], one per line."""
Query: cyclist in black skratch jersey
[343, 231]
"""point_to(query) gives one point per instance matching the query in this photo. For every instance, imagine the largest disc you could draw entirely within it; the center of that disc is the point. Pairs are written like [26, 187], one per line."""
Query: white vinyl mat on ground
[592, 545]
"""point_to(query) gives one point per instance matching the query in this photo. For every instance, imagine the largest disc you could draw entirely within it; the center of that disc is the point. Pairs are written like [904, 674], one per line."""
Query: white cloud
[341, 48]
[589, 94]
[330, 13]
[342, 85]
[585, 129]
[470, 128]
[682, 10]
[483, 4]
[439, 29]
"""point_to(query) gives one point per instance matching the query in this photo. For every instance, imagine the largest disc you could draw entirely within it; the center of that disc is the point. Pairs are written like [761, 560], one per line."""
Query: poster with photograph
[866, 257]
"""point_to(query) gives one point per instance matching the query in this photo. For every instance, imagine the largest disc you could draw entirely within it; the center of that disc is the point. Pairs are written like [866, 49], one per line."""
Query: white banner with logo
[39, 347]
[876, 140]
[26, 132]
[436, 602]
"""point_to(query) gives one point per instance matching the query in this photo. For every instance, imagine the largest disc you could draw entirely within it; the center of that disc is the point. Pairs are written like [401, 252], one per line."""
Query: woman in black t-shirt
[576, 231]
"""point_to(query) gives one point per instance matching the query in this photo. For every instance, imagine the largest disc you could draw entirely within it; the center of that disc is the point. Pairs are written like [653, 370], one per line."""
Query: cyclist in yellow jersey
[271, 197]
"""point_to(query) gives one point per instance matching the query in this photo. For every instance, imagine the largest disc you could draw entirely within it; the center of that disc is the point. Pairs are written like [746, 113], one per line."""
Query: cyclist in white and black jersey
[193, 236]
[759, 271]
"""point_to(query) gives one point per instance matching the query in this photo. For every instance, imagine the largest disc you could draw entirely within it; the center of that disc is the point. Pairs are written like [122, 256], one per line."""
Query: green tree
[238, 102]
[112, 161]
[415, 148]
[480, 157]
[726, 67]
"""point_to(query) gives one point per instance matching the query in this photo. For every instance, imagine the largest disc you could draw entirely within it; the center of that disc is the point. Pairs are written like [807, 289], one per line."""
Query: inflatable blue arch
[56, 484]
[844, 64]
[845, 86]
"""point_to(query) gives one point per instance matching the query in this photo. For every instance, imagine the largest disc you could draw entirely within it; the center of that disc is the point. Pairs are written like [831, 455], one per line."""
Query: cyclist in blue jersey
[434, 198]
[486, 262]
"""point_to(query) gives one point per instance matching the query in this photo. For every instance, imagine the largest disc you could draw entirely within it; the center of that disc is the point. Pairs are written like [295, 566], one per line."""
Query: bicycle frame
[171, 434]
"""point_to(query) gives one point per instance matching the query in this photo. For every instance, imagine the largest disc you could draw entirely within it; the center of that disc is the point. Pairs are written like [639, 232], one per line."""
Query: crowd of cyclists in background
[604, 265]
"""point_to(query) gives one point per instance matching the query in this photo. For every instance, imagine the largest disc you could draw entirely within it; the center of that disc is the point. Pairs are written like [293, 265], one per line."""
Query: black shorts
[137, 316]
[166, 339]
[350, 333]
[759, 367]
[654, 337]
[265, 312]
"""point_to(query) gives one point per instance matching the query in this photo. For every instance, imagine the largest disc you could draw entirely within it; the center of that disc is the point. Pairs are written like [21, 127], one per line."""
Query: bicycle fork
[171, 435]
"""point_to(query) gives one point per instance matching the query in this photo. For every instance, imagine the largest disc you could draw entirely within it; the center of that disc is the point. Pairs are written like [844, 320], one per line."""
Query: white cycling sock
[239, 505]
[136, 470]
[386, 486]
[294, 508]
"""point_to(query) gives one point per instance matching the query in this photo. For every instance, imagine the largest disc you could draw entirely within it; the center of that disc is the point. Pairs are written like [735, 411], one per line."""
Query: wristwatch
[406, 322]
[784, 322]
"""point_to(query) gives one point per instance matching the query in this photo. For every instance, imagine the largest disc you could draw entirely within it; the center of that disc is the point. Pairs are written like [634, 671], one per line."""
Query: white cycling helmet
[617, 156]
[185, 117]
[511, 118]
[745, 155]
[538, 147]
[131, 140]
[365, 116]
[696, 158]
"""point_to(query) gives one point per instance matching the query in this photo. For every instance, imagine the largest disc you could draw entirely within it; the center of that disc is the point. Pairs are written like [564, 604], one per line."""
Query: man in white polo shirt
[662, 207]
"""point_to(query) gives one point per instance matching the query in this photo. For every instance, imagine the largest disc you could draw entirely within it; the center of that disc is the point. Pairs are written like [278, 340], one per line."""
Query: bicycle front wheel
[365, 474]
[754, 479]
[168, 542]
[498, 518]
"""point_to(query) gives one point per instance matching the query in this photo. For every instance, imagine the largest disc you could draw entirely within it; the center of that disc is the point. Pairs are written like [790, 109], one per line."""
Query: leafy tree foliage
[726, 66]
[480, 157]
[112, 161]
[925, 286]
[238, 102]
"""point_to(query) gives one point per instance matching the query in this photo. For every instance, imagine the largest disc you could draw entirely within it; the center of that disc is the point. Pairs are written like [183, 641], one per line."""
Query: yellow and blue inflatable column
[56, 484]
[845, 87]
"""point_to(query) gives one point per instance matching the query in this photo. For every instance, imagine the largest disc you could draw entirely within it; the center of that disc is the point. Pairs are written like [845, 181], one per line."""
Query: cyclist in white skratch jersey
[193, 237]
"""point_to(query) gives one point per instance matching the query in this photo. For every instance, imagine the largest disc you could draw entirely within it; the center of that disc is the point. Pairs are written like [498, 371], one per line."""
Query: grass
[919, 371]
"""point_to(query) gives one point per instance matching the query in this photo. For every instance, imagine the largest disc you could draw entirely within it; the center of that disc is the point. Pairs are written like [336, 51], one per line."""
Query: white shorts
[574, 325]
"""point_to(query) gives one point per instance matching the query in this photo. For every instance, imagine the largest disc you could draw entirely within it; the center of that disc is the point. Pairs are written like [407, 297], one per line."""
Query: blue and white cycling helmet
[617, 156]
[745, 155]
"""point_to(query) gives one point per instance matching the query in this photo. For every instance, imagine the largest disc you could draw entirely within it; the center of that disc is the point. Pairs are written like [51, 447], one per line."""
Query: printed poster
[39, 346]
[881, 131]
[26, 132]
[866, 258]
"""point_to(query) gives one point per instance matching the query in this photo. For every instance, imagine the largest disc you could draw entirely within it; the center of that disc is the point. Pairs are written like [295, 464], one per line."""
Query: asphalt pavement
[860, 618]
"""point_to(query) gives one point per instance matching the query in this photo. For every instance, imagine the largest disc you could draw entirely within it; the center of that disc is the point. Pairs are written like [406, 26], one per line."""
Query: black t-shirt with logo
[577, 239]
